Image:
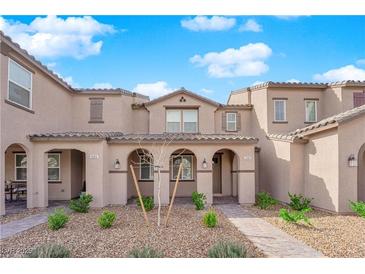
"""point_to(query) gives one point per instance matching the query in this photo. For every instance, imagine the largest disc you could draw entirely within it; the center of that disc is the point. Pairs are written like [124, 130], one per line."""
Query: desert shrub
[145, 252]
[210, 219]
[147, 202]
[58, 219]
[358, 207]
[49, 251]
[299, 202]
[264, 200]
[81, 204]
[294, 216]
[227, 250]
[198, 200]
[106, 219]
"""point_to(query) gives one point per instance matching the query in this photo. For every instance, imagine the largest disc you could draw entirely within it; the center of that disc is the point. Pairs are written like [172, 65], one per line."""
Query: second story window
[279, 110]
[20, 85]
[96, 110]
[231, 121]
[182, 120]
[310, 111]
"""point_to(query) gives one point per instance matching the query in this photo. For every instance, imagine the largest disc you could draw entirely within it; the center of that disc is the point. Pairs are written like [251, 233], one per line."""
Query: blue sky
[208, 55]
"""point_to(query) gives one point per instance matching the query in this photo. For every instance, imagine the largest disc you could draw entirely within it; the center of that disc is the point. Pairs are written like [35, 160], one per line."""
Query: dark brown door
[217, 174]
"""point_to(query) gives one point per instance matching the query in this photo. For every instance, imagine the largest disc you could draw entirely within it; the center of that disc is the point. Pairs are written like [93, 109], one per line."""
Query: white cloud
[207, 91]
[204, 23]
[256, 83]
[360, 62]
[349, 72]
[287, 17]
[53, 36]
[251, 25]
[102, 86]
[153, 90]
[248, 60]
[51, 65]
[293, 80]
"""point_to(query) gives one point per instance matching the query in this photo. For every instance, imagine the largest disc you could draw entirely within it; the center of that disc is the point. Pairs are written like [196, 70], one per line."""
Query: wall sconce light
[117, 164]
[205, 164]
[352, 161]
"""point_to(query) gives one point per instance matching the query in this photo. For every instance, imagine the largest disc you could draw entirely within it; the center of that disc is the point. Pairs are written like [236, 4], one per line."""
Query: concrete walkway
[14, 227]
[272, 241]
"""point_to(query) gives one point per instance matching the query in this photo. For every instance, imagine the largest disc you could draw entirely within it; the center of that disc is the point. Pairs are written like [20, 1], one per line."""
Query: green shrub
[264, 200]
[49, 251]
[81, 204]
[227, 250]
[58, 219]
[294, 216]
[210, 219]
[107, 219]
[358, 207]
[299, 202]
[198, 200]
[147, 202]
[145, 252]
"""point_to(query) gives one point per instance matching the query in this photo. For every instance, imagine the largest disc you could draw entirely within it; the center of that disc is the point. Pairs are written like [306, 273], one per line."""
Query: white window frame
[315, 108]
[285, 118]
[31, 85]
[192, 167]
[231, 122]
[152, 170]
[59, 166]
[181, 111]
[16, 167]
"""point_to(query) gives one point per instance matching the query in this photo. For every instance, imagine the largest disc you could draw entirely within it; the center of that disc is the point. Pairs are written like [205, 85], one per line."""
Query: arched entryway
[142, 162]
[188, 176]
[16, 178]
[225, 176]
[66, 175]
[361, 174]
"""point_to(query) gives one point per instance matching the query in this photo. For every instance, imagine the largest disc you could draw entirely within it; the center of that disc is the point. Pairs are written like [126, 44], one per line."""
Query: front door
[217, 174]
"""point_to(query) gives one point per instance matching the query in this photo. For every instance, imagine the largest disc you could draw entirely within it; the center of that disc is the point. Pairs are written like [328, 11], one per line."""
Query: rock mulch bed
[334, 235]
[186, 236]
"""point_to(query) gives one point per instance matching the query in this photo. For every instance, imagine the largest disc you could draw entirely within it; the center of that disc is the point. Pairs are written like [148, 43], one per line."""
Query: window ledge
[96, 122]
[19, 106]
[182, 181]
[148, 181]
[309, 123]
[279, 122]
[55, 182]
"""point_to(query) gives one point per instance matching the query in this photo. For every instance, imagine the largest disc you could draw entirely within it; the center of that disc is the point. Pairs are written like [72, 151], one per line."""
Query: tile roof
[186, 137]
[272, 84]
[298, 134]
[120, 137]
[338, 118]
[75, 135]
[110, 91]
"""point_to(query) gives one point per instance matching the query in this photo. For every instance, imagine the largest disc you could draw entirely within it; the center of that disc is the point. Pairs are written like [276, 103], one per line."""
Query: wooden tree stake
[139, 195]
[173, 194]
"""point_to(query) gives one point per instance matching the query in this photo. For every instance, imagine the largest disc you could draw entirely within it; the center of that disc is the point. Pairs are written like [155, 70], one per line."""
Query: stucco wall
[158, 113]
[243, 97]
[351, 139]
[321, 170]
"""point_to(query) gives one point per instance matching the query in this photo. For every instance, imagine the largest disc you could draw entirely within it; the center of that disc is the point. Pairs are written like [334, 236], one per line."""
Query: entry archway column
[2, 183]
[246, 176]
[204, 177]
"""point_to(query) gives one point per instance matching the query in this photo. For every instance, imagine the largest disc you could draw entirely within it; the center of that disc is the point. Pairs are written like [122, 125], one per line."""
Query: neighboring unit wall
[118, 114]
[240, 97]
[295, 108]
[351, 139]
[322, 169]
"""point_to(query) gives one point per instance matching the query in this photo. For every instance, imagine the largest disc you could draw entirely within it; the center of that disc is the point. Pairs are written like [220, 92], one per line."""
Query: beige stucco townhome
[58, 141]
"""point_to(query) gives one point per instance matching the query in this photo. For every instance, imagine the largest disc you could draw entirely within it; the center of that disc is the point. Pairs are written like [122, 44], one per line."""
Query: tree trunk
[159, 198]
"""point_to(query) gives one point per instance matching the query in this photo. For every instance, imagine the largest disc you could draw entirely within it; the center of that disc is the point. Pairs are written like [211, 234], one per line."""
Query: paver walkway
[14, 227]
[272, 241]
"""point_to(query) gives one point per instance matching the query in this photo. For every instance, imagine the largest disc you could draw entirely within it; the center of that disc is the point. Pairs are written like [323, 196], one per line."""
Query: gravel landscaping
[334, 235]
[185, 237]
